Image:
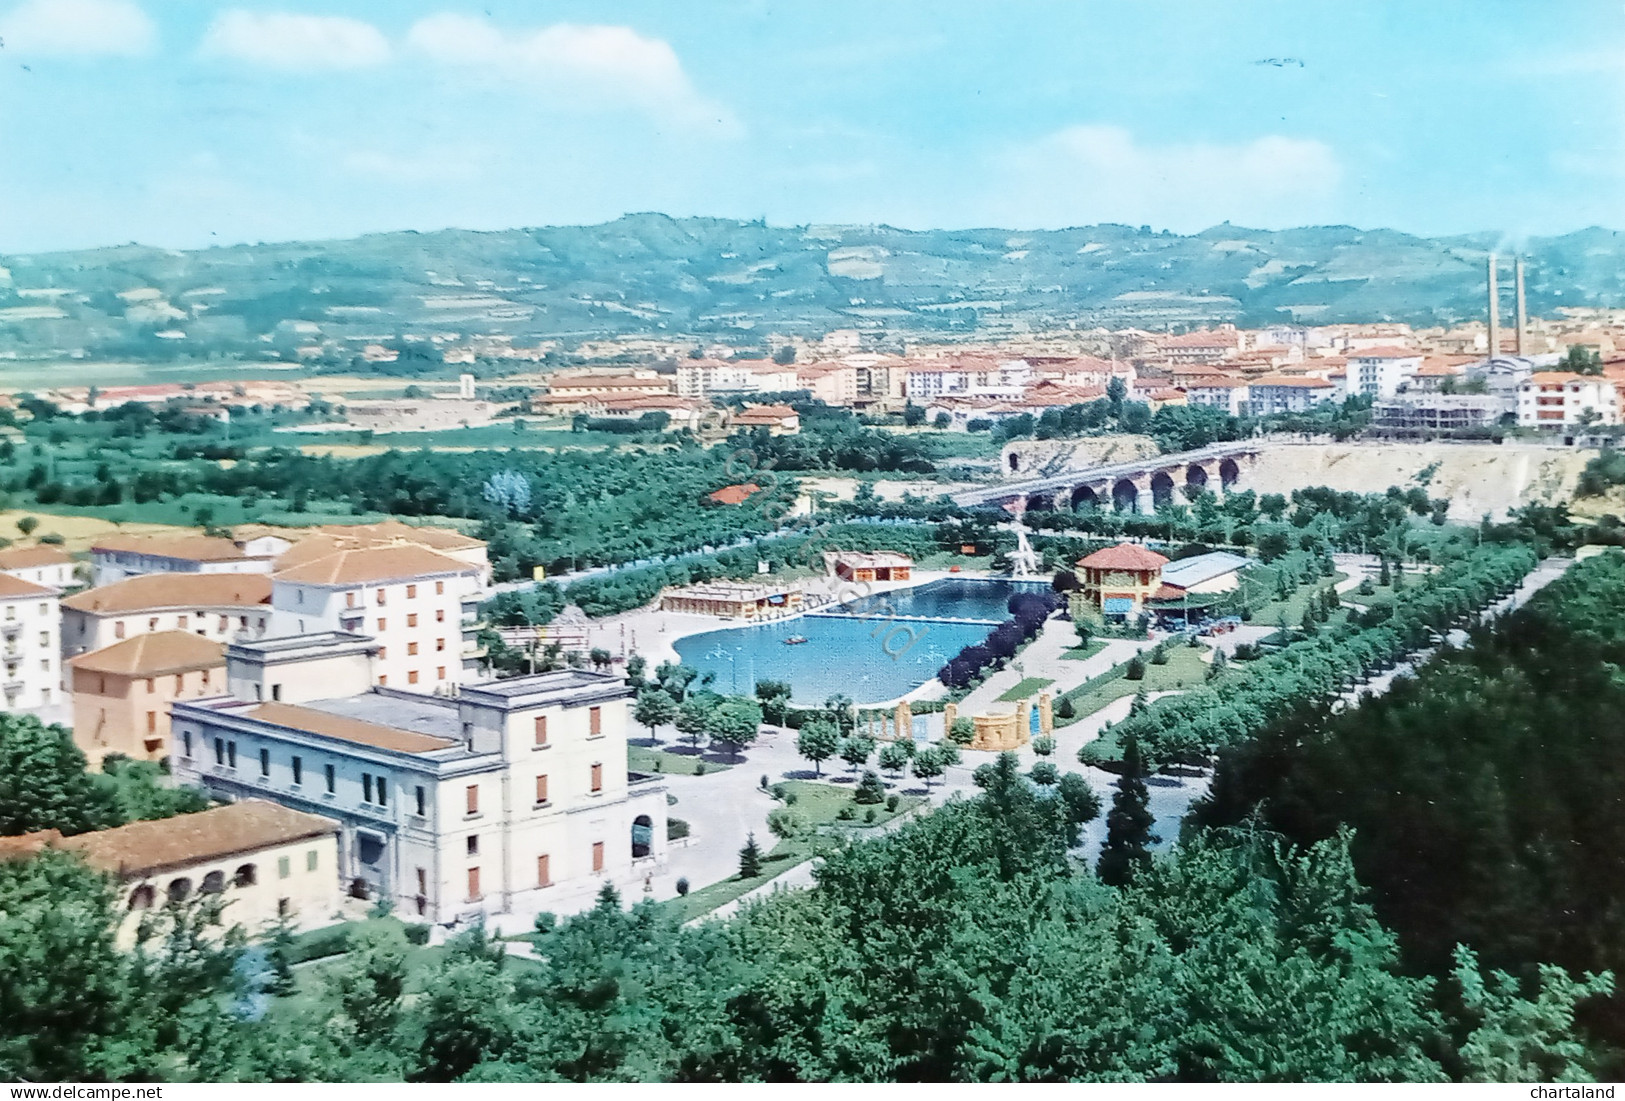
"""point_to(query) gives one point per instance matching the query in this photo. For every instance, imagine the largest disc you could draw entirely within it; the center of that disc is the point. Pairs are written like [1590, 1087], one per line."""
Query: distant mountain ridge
[720, 279]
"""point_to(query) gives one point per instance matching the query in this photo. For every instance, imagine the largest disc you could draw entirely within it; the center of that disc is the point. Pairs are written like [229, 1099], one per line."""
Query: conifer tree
[1128, 823]
[750, 859]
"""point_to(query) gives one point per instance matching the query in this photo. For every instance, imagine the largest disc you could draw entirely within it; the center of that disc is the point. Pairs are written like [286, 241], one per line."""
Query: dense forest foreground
[1426, 887]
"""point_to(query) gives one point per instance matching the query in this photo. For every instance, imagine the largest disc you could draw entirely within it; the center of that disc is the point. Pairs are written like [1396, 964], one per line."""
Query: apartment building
[700, 378]
[511, 794]
[419, 605]
[115, 558]
[222, 607]
[1288, 394]
[1380, 372]
[326, 540]
[122, 692]
[42, 564]
[1561, 399]
[30, 644]
[967, 377]
[263, 861]
[1221, 392]
[830, 383]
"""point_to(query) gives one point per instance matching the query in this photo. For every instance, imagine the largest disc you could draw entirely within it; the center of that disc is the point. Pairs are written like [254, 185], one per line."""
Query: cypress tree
[1128, 823]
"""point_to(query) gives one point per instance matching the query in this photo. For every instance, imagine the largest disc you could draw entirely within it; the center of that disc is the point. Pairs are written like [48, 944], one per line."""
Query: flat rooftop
[434, 716]
[562, 686]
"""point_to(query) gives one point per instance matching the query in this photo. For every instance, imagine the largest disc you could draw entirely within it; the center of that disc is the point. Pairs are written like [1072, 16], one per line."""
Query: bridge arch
[1126, 495]
[1196, 476]
[1162, 489]
[1085, 497]
[1229, 473]
[1040, 502]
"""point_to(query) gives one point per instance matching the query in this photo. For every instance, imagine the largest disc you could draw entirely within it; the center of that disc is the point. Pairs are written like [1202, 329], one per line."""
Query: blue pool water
[866, 659]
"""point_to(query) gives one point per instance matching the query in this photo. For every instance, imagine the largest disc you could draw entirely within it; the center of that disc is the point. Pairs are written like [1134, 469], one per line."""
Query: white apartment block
[505, 798]
[43, 565]
[702, 378]
[1288, 394]
[417, 604]
[989, 379]
[116, 558]
[1226, 394]
[30, 644]
[1559, 399]
[221, 607]
[1380, 372]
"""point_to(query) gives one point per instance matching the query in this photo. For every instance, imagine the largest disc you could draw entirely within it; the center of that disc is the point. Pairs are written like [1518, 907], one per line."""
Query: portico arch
[1229, 473]
[1162, 489]
[1084, 497]
[1126, 496]
[1196, 476]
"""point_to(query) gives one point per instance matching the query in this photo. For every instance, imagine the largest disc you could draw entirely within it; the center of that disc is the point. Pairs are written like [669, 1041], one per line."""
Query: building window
[332, 779]
[383, 680]
[152, 724]
[231, 754]
[423, 881]
[439, 672]
[152, 685]
[312, 859]
[186, 741]
[349, 600]
[45, 638]
[152, 624]
[220, 751]
[595, 722]
[541, 790]
[544, 877]
[284, 867]
[473, 798]
[284, 908]
[265, 762]
[182, 621]
[411, 676]
[411, 592]
[541, 731]
[383, 653]
[439, 644]
[246, 876]
[411, 648]
[597, 856]
[298, 770]
[473, 844]
[180, 683]
[366, 787]
[205, 678]
[597, 777]
[412, 619]
[418, 794]
[380, 597]
[439, 588]
[473, 884]
[118, 629]
[382, 623]
[276, 691]
[440, 615]
[383, 792]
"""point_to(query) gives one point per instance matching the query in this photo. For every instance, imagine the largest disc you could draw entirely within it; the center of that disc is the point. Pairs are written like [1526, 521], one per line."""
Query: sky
[189, 123]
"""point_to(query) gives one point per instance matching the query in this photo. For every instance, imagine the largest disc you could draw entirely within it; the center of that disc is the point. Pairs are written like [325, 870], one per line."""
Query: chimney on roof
[1495, 311]
[1522, 320]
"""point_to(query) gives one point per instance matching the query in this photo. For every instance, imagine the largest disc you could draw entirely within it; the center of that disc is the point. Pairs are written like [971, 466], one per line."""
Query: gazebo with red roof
[1117, 582]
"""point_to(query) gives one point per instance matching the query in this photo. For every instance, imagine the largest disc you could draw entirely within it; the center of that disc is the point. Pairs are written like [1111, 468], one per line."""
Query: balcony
[10, 630]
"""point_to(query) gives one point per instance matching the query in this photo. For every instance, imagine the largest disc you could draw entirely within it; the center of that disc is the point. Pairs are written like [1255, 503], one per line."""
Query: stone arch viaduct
[1138, 485]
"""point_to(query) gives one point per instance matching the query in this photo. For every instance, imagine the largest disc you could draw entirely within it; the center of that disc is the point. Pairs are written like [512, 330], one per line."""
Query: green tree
[750, 859]
[43, 782]
[694, 717]
[1135, 670]
[870, 789]
[775, 698]
[464, 1015]
[1127, 849]
[856, 749]
[1043, 745]
[370, 984]
[928, 764]
[894, 757]
[1519, 1039]
[735, 723]
[655, 708]
[1045, 774]
[962, 731]
[818, 741]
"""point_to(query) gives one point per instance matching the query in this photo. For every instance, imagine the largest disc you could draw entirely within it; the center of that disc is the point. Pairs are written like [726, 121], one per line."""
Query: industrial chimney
[1495, 311]
[1522, 319]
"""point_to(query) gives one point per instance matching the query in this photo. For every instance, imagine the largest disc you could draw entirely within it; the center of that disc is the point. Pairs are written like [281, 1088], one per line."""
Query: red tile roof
[1386, 351]
[1124, 556]
[735, 495]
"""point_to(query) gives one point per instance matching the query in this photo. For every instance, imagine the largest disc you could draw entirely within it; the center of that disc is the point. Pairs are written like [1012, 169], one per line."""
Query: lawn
[1184, 669]
[1290, 610]
[1027, 686]
[818, 805]
[643, 759]
[1086, 651]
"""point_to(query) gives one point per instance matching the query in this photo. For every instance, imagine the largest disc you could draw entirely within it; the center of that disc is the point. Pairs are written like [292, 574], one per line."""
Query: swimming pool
[895, 648]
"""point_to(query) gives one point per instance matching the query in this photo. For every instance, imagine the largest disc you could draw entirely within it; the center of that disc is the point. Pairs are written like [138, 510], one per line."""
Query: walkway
[1043, 658]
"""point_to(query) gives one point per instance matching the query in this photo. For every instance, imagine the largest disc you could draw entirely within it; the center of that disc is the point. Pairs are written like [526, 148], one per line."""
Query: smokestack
[1495, 311]
[1522, 319]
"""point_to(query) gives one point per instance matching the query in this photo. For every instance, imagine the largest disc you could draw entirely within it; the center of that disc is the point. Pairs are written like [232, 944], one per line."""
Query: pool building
[869, 566]
[735, 600]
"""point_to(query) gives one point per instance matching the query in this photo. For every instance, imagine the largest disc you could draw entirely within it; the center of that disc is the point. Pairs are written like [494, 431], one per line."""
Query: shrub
[869, 816]
[846, 814]
[1066, 709]
[320, 944]
[764, 781]
[416, 933]
[699, 768]
[785, 823]
[682, 885]
[676, 828]
[790, 797]
[870, 789]
[891, 803]
[778, 791]
[545, 921]
[1136, 668]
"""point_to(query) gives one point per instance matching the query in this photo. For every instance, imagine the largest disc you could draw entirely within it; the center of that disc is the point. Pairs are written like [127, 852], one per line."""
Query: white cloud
[1088, 174]
[78, 28]
[576, 65]
[287, 40]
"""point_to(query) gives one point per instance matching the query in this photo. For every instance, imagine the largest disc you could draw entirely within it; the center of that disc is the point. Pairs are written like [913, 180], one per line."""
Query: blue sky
[185, 123]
